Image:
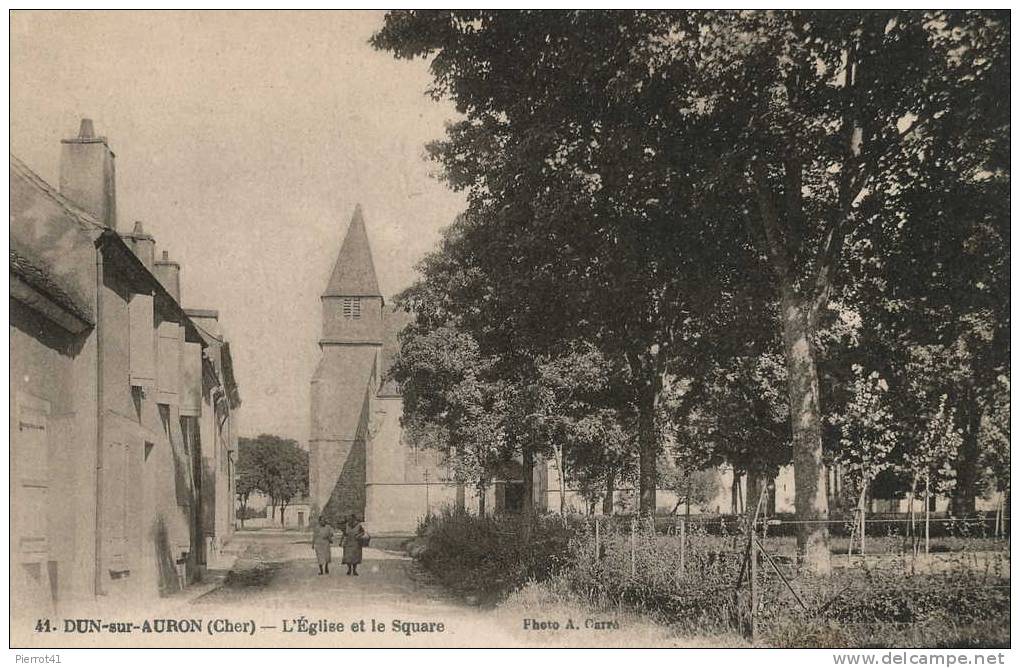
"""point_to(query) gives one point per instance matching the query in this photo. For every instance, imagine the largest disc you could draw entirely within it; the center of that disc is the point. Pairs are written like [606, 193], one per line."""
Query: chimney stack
[143, 245]
[87, 175]
[169, 274]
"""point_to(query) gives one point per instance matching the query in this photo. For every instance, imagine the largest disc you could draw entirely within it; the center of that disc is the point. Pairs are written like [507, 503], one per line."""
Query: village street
[266, 592]
[272, 596]
[274, 580]
[277, 569]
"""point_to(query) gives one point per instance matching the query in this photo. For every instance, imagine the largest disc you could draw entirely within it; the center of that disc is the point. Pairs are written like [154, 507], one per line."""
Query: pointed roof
[354, 272]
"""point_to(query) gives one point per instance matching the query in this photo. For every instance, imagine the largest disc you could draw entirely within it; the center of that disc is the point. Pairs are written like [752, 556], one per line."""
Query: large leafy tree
[452, 403]
[633, 145]
[274, 466]
[570, 413]
[247, 476]
[739, 418]
[470, 392]
[574, 194]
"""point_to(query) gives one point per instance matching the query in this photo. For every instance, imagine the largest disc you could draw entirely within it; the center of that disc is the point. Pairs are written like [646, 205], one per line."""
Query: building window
[352, 307]
[164, 416]
[137, 394]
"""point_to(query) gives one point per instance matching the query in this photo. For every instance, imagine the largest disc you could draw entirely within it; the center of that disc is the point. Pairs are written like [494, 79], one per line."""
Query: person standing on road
[322, 541]
[354, 535]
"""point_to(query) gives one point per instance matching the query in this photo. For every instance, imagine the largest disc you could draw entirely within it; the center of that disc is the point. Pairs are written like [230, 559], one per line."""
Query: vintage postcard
[492, 328]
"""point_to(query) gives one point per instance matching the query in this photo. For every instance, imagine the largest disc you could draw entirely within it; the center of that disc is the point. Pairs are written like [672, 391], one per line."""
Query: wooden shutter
[31, 477]
[169, 361]
[142, 343]
[191, 379]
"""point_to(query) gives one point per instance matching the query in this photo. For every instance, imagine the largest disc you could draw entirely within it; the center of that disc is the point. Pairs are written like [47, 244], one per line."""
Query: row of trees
[274, 467]
[754, 237]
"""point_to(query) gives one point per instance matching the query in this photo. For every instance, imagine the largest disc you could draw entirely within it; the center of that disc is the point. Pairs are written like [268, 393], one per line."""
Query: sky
[243, 143]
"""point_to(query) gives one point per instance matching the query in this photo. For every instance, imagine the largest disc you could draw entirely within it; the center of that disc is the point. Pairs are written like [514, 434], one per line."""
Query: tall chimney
[169, 274]
[87, 175]
[143, 245]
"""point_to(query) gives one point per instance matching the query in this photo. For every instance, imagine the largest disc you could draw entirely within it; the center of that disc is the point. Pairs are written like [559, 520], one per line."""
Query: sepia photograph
[489, 328]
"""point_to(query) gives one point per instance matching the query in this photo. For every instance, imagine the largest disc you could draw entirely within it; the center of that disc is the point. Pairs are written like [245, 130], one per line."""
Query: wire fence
[938, 525]
[769, 566]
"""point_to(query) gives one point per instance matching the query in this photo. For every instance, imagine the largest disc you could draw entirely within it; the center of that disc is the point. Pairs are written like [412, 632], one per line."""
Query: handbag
[363, 539]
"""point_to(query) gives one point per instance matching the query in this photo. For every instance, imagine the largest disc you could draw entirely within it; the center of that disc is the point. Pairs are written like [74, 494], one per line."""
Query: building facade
[359, 458]
[123, 404]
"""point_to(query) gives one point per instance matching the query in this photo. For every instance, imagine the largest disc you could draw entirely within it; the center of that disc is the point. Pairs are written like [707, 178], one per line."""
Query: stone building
[123, 404]
[359, 459]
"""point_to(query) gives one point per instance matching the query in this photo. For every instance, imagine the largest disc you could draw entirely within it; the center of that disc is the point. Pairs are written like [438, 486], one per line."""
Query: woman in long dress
[353, 533]
[322, 541]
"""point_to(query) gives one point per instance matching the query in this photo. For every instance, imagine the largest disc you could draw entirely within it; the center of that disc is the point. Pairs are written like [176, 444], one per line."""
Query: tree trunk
[806, 421]
[528, 477]
[607, 500]
[481, 502]
[648, 449]
[558, 455]
[753, 492]
[865, 506]
[910, 507]
[459, 500]
[735, 494]
[927, 513]
[965, 491]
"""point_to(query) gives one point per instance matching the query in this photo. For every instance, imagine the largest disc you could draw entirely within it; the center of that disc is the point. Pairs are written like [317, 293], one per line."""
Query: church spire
[354, 272]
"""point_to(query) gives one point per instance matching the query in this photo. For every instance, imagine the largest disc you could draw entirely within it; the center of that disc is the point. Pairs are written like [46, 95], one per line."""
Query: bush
[488, 557]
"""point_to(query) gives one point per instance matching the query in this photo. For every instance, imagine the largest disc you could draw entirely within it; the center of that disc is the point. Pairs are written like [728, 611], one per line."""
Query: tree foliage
[685, 190]
[274, 466]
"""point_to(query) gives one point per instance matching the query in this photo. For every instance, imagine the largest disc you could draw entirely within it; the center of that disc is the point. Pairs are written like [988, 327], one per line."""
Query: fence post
[864, 524]
[927, 515]
[998, 515]
[598, 552]
[754, 590]
[633, 548]
[683, 546]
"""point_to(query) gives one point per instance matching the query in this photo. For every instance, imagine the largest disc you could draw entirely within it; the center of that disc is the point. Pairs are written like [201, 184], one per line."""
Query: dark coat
[352, 543]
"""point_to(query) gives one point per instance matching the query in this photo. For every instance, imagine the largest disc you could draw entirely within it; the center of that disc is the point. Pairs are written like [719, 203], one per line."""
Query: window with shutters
[142, 341]
[117, 502]
[30, 464]
[351, 307]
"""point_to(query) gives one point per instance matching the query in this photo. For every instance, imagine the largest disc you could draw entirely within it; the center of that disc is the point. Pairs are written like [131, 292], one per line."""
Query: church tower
[346, 379]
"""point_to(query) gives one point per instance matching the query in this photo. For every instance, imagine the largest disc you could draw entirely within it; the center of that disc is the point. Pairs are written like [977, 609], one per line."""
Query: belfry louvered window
[352, 307]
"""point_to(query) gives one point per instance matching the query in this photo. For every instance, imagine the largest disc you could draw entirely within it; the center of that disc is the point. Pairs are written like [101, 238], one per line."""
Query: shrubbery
[696, 596]
[889, 608]
[493, 556]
